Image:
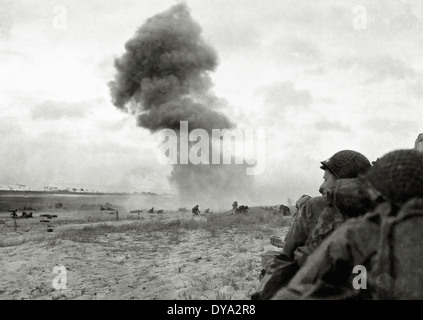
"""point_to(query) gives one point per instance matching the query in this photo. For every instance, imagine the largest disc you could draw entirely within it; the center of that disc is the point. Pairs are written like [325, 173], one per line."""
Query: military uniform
[329, 220]
[315, 221]
[303, 224]
[386, 241]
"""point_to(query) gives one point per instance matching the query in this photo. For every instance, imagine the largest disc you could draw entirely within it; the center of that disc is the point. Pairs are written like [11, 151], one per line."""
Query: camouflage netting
[398, 175]
[347, 164]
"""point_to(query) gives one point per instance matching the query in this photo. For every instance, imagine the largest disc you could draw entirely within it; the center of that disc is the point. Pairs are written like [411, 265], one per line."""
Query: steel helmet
[398, 176]
[346, 164]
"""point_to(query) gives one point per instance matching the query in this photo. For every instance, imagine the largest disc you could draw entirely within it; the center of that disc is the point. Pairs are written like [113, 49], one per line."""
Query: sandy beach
[172, 255]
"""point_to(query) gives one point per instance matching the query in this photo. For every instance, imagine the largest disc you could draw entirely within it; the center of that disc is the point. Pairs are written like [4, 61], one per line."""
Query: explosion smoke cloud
[163, 79]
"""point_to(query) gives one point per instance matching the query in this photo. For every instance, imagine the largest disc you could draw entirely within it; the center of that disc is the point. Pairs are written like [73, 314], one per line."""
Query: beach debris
[197, 259]
[106, 208]
[277, 241]
[159, 211]
[207, 211]
[242, 209]
[50, 230]
[136, 211]
[48, 216]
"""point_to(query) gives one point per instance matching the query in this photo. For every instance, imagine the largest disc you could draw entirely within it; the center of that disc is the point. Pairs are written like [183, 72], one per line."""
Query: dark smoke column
[163, 79]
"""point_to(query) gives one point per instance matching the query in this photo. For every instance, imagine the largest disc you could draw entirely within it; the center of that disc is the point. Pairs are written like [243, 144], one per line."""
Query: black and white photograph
[211, 150]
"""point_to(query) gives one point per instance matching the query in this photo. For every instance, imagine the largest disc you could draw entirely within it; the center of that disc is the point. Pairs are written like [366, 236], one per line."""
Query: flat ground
[172, 255]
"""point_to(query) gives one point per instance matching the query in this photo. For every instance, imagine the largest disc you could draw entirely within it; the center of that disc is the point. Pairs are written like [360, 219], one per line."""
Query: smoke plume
[163, 79]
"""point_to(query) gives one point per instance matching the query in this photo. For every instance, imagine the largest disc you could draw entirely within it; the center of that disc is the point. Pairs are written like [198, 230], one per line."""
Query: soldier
[195, 210]
[284, 210]
[385, 242]
[13, 214]
[315, 221]
[234, 207]
[418, 145]
[318, 217]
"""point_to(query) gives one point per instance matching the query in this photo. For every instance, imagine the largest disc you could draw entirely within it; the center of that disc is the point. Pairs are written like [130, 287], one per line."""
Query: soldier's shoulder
[312, 209]
[315, 203]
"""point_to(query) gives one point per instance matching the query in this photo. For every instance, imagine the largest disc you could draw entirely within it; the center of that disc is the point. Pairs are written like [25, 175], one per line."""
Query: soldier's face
[329, 181]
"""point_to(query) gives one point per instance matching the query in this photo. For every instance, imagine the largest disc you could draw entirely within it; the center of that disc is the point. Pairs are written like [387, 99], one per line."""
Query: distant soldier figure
[207, 211]
[234, 207]
[418, 145]
[283, 209]
[13, 213]
[151, 210]
[195, 210]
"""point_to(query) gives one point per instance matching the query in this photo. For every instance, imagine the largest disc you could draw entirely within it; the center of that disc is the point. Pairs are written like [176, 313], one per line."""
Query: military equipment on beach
[242, 209]
[49, 216]
[135, 211]
[277, 241]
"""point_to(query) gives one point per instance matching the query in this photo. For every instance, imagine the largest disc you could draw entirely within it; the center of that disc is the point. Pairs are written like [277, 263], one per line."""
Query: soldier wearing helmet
[315, 220]
[196, 210]
[312, 227]
[385, 241]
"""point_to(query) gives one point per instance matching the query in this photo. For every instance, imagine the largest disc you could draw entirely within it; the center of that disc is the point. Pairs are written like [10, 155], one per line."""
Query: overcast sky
[301, 70]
